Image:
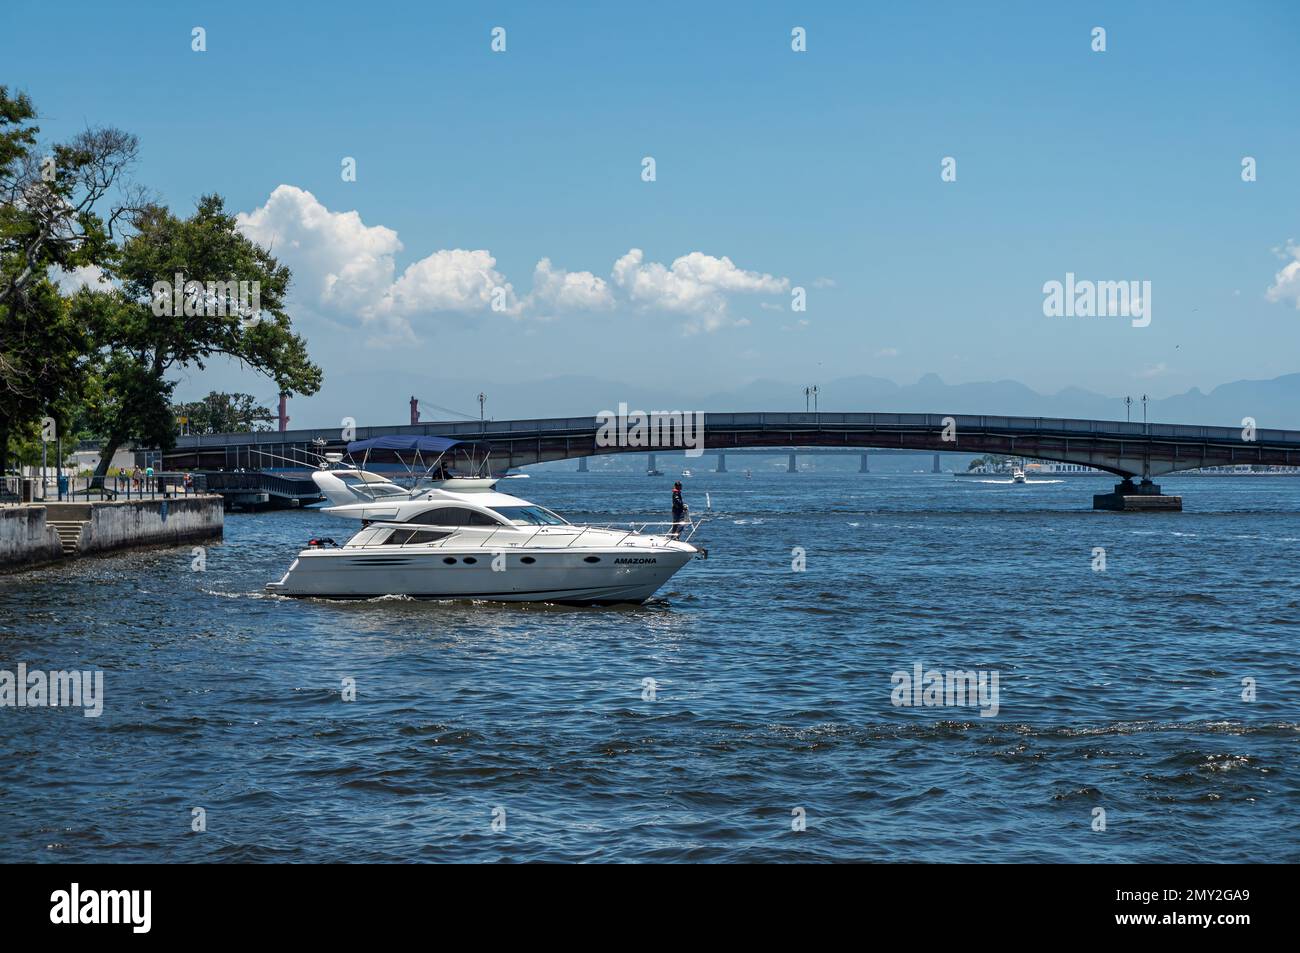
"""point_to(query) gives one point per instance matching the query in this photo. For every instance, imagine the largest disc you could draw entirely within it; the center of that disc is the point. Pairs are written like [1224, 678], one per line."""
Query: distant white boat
[687, 473]
[1017, 475]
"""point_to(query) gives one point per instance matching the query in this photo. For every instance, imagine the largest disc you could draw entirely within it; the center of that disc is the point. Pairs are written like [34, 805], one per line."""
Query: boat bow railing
[629, 530]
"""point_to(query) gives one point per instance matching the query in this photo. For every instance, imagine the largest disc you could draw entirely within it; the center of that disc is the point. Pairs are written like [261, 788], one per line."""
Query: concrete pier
[1130, 497]
[722, 463]
[864, 467]
[582, 464]
[26, 538]
[37, 535]
[793, 467]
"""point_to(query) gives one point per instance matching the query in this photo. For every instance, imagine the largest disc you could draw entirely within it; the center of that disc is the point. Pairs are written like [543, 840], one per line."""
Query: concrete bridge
[1126, 449]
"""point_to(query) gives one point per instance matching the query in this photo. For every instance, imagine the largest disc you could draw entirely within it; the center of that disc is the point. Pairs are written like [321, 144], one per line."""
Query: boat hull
[567, 577]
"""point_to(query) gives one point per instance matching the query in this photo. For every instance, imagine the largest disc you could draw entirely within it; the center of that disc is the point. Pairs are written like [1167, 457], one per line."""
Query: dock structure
[36, 534]
[258, 489]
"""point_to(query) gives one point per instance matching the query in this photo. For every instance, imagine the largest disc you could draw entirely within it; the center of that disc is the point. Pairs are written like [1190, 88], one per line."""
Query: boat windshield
[377, 489]
[531, 516]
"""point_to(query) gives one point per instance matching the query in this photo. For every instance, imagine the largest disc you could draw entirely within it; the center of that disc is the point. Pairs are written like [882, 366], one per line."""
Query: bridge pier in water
[1130, 497]
[863, 467]
[722, 463]
[793, 467]
[582, 464]
[935, 468]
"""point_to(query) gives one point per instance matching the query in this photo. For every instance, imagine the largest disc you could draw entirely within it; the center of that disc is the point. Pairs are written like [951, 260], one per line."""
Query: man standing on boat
[680, 509]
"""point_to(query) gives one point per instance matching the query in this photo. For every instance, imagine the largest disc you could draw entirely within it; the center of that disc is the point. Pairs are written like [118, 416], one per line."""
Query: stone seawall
[26, 539]
[103, 527]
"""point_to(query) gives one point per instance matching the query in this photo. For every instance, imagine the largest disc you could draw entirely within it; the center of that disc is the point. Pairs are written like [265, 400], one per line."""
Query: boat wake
[1014, 482]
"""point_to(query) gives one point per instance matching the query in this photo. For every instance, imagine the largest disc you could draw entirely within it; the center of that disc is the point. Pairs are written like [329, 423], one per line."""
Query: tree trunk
[106, 451]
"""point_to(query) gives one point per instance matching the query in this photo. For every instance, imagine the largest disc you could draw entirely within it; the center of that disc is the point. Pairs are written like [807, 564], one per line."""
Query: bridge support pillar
[864, 467]
[935, 468]
[722, 463]
[1136, 497]
[582, 464]
[793, 467]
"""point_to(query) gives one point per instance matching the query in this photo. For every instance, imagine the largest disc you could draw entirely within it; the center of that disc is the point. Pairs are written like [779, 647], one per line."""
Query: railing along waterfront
[16, 490]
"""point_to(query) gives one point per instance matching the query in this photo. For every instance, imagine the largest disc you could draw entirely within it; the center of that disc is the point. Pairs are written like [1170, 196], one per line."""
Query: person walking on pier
[680, 509]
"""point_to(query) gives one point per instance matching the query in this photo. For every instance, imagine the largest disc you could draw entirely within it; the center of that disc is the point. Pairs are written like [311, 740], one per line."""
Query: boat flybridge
[454, 536]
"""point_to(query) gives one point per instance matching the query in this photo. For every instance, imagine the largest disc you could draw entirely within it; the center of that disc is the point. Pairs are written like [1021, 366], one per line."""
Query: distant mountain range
[1273, 403]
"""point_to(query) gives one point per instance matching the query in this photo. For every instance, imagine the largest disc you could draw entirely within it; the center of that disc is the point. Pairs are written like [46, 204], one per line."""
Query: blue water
[1119, 689]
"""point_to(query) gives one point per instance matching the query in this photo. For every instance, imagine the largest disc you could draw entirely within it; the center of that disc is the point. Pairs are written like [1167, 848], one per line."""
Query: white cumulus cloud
[339, 263]
[345, 268]
[559, 290]
[450, 280]
[347, 271]
[696, 284]
[1286, 283]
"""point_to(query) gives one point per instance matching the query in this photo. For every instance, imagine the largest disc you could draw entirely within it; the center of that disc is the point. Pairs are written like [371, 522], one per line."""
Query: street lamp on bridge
[810, 394]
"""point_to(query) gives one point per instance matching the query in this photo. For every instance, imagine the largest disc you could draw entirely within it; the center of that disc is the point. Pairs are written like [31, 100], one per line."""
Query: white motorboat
[1017, 475]
[460, 538]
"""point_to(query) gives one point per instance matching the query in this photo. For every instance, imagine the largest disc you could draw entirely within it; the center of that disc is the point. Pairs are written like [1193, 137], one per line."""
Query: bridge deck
[1128, 449]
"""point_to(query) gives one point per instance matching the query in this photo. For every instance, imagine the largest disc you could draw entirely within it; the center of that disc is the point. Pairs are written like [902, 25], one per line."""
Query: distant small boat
[687, 473]
[654, 472]
[1017, 475]
[749, 474]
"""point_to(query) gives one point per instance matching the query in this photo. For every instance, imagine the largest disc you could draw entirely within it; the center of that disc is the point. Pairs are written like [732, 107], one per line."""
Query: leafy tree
[50, 220]
[146, 335]
[224, 413]
[991, 460]
[101, 357]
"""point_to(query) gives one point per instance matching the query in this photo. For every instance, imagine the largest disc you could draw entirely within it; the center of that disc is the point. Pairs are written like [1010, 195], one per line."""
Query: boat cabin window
[400, 537]
[453, 516]
[531, 516]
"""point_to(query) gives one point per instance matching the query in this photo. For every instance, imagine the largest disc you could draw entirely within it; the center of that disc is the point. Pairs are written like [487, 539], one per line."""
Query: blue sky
[818, 169]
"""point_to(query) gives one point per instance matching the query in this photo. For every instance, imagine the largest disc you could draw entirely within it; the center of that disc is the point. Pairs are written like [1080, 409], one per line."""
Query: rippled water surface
[1119, 690]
